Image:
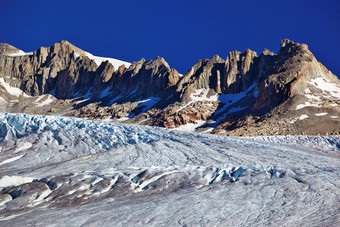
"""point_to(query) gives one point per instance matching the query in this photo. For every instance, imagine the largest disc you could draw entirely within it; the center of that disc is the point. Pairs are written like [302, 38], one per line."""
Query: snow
[201, 95]
[101, 173]
[294, 120]
[326, 86]
[303, 116]
[12, 90]
[320, 114]
[47, 100]
[313, 97]
[230, 99]
[227, 100]
[20, 53]
[146, 103]
[116, 63]
[329, 90]
[306, 104]
[190, 127]
[334, 116]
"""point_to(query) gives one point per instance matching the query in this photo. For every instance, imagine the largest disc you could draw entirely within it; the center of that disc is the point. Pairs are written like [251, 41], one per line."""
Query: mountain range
[246, 94]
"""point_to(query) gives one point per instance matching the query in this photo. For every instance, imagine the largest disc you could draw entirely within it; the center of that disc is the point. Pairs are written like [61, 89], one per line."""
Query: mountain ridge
[215, 95]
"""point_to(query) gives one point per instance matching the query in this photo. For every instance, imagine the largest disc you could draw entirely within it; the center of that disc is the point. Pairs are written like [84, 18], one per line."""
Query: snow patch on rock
[326, 86]
[320, 114]
[12, 90]
[116, 63]
[303, 116]
[20, 53]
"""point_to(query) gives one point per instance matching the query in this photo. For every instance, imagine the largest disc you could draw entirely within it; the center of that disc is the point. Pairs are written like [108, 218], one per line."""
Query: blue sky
[180, 31]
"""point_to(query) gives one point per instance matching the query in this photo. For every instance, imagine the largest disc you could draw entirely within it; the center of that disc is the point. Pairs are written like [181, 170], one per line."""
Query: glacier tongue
[68, 171]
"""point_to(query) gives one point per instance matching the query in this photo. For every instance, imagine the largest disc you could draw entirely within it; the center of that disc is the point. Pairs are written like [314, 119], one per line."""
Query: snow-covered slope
[72, 172]
[115, 62]
[20, 53]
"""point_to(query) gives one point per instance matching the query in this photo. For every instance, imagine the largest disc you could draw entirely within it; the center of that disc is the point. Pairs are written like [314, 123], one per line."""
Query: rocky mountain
[244, 95]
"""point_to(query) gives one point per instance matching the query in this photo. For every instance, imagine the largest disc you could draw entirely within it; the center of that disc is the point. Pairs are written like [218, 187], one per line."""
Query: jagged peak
[70, 45]
[251, 52]
[289, 46]
[159, 61]
[6, 45]
[234, 53]
[267, 52]
[286, 42]
[216, 57]
[8, 49]
[65, 42]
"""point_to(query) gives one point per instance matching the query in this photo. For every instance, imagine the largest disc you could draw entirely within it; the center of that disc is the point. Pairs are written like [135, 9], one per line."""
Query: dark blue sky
[180, 31]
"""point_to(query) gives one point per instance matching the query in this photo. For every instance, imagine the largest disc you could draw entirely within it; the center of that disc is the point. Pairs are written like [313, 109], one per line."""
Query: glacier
[60, 171]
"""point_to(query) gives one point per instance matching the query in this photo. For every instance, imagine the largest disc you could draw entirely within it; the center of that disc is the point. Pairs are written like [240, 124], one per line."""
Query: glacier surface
[60, 171]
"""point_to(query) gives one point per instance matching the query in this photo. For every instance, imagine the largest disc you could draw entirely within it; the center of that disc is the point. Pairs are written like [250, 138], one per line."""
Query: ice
[25, 146]
[6, 181]
[83, 173]
[11, 159]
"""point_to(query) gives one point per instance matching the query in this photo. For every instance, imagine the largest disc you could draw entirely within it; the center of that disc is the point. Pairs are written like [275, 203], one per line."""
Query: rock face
[62, 70]
[8, 49]
[147, 78]
[230, 96]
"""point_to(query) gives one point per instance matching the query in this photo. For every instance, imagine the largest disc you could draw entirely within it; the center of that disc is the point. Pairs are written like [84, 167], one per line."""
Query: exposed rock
[6, 49]
[245, 94]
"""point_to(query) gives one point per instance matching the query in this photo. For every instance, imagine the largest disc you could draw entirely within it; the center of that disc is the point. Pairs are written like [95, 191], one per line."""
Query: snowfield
[59, 171]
